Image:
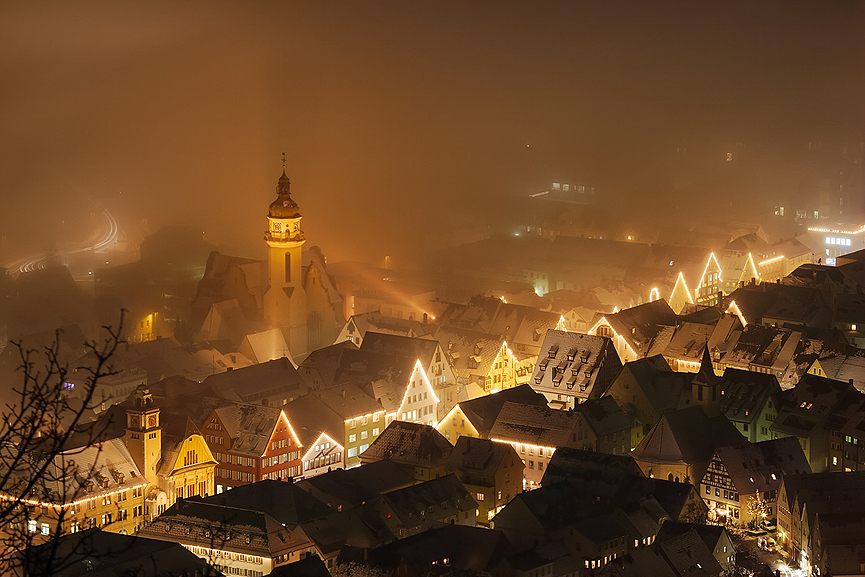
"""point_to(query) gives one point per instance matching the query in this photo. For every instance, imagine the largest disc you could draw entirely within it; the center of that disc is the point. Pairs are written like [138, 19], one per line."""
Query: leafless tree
[43, 427]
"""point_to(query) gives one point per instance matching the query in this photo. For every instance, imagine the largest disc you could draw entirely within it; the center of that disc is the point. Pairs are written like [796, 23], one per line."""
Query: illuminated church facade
[289, 294]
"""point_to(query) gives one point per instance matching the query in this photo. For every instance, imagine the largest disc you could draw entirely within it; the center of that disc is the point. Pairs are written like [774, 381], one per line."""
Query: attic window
[554, 350]
[774, 478]
[571, 354]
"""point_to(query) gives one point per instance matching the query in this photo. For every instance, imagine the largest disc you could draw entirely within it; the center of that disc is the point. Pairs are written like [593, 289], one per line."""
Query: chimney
[343, 393]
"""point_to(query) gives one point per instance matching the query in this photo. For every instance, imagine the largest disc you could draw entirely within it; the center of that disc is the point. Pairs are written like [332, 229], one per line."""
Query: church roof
[686, 436]
[284, 206]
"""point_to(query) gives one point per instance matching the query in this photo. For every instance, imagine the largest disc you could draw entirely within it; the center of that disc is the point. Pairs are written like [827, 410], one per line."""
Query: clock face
[151, 421]
[276, 227]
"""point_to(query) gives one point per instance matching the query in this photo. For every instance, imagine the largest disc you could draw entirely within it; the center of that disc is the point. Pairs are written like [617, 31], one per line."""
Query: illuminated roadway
[32, 263]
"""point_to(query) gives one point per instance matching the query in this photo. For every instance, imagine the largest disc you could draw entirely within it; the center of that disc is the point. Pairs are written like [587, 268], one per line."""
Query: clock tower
[144, 433]
[285, 299]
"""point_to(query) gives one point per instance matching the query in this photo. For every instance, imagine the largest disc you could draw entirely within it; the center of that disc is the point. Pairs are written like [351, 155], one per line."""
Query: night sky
[403, 119]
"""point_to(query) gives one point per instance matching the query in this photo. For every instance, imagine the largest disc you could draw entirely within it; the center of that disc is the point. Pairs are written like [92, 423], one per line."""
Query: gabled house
[363, 418]
[272, 383]
[358, 325]
[573, 367]
[638, 330]
[604, 427]
[722, 274]
[819, 521]
[715, 537]
[411, 510]
[492, 472]
[685, 348]
[747, 401]
[534, 432]
[251, 443]
[419, 449]
[235, 541]
[427, 351]
[482, 360]
[475, 417]
[810, 411]
[398, 382]
[647, 387]
[521, 326]
[95, 486]
[759, 348]
[321, 433]
[741, 484]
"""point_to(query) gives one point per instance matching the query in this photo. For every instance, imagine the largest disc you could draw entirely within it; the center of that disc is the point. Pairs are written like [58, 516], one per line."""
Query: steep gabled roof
[359, 484]
[409, 444]
[468, 351]
[258, 381]
[686, 436]
[570, 463]
[535, 425]
[249, 426]
[399, 345]
[663, 388]
[604, 416]
[745, 393]
[483, 411]
[478, 458]
[576, 364]
[641, 324]
[193, 521]
[437, 498]
[310, 416]
[286, 502]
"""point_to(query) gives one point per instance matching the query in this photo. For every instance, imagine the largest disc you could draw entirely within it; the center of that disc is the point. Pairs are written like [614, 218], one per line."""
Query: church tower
[285, 299]
[706, 385]
[144, 433]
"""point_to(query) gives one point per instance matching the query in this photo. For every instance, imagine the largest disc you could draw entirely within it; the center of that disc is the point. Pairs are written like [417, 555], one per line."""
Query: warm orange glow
[734, 308]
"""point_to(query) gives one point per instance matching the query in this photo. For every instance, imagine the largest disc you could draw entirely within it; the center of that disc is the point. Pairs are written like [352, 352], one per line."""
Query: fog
[403, 120]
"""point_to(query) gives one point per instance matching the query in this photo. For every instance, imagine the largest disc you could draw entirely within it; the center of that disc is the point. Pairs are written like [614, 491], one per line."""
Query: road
[40, 261]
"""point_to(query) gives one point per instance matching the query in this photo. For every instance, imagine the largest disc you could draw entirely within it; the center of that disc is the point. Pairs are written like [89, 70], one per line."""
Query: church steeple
[285, 300]
[706, 385]
[284, 206]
